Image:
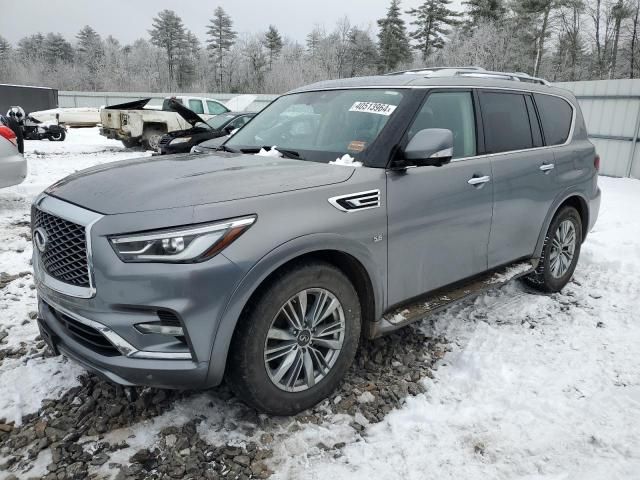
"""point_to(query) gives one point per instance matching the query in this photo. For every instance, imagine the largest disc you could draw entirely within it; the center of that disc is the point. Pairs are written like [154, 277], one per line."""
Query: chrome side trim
[358, 201]
[124, 347]
[80, 216]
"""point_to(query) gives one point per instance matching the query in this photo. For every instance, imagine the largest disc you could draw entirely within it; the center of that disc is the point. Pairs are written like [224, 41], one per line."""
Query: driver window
[453, 111]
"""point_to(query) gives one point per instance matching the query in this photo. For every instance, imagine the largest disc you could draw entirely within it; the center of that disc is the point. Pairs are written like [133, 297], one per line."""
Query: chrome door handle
[545, 167]
[478, 180]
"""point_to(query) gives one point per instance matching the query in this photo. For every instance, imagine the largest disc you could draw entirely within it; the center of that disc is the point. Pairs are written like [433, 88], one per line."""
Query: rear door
[439, 217]
[523, 173]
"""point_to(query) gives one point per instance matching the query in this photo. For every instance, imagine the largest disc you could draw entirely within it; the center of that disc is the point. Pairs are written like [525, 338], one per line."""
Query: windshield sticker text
[372, 107]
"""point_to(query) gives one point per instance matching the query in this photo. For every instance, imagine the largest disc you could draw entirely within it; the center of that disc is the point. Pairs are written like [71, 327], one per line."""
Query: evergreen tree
[432, 20]
[57, 49]
[221, 38]
[363, 55]
[30, 48]
[393, 43]
[90, 53]
[187, 57]
[273, 43]
[5, 54]
[168, 33]
[482, 11]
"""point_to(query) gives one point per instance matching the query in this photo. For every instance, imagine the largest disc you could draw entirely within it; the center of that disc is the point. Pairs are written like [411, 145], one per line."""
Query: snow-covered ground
[543, 387]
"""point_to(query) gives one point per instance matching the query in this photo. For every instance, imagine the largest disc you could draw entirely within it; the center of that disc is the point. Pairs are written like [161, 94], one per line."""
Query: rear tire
[151, 138]
[264, 379]
[130, 143]
[560, 252]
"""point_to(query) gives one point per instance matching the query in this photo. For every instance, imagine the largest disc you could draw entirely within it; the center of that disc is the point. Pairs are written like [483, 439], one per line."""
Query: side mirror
[430, 147]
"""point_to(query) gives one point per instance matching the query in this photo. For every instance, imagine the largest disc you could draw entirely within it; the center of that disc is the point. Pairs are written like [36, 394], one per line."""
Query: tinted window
[453, 111]
[215, 108]
[196, 106]
[556, 115]
[506, 122]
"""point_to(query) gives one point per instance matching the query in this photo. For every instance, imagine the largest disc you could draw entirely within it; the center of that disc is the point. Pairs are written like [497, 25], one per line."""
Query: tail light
[596, 162]
[7, 133]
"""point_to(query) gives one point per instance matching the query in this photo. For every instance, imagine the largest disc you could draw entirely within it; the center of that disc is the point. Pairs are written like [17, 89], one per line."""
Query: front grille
[65, 255]
[86, 335]
[165, 140]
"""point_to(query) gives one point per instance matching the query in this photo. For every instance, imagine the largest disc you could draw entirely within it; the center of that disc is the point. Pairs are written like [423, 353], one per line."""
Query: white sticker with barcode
[372, 107]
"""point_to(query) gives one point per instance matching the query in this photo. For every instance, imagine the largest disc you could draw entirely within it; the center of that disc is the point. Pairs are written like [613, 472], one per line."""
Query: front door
[439, 218]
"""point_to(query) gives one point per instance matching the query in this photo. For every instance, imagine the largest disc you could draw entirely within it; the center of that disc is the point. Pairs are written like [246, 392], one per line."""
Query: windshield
[220, 120]
[320, 126]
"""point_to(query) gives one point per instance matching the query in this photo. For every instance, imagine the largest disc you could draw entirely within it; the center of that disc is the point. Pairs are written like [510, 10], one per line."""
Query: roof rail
[474, 72]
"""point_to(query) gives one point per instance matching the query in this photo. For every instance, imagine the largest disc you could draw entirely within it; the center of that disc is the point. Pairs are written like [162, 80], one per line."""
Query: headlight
[196, 243]
[180, 140]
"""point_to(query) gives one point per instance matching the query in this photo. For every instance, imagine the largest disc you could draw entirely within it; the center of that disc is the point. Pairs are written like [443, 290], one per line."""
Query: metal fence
[611, 109]
[99, 99]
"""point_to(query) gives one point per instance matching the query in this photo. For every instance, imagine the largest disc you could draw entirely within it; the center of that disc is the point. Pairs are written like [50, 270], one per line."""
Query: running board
[445, 297]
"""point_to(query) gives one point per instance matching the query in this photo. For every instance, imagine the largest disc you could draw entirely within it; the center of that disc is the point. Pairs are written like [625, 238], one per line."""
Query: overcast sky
[128, 20]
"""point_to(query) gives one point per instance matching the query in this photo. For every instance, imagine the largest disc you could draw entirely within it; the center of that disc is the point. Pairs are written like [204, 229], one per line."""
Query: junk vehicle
[134, 125]
[182, 141]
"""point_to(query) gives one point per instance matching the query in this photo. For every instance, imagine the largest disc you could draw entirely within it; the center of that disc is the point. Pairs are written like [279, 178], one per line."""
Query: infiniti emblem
[40, 239]
[304, 338]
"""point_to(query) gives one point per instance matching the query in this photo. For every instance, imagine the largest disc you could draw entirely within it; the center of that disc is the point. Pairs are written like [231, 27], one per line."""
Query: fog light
[173, 330]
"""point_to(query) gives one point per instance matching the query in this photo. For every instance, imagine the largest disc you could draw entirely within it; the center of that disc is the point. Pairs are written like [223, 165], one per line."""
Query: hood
[162, 182]
[135, 105]
[189, 115]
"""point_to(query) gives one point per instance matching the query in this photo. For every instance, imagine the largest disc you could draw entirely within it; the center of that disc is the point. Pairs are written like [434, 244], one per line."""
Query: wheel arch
[351, 258]
[573, 199]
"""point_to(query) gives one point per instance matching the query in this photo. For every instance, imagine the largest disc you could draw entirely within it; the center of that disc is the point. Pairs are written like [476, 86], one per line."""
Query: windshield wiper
[224, 148]
[285, 152]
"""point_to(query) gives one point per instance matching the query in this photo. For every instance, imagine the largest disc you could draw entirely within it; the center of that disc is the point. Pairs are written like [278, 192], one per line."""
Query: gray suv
[344, 210]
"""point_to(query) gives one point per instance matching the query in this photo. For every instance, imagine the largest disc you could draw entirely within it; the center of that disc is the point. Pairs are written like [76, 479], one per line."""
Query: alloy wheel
[304, 340]
[563, 246]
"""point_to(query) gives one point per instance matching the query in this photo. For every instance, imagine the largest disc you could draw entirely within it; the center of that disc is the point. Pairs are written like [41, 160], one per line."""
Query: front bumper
[122, 370]
[125, 294]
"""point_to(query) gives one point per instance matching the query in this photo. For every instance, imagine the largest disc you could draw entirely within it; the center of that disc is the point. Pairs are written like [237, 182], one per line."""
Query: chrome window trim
[72, 213]
[124, 347]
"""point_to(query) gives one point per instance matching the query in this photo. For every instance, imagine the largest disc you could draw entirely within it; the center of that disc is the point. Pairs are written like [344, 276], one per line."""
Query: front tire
[560, 252]
[296, 341]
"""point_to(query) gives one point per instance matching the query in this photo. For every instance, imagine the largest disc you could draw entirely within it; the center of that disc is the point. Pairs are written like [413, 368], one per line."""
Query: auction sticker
[372, 107]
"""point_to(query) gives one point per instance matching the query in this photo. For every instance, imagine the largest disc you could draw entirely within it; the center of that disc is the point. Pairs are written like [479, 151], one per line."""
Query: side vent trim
[356, 202]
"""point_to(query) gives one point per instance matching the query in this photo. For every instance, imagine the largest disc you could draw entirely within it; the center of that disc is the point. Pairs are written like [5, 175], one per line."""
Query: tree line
[561, 40]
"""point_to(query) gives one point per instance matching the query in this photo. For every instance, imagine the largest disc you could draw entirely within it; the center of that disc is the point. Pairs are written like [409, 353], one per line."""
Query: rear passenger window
[556, 115]
[196, 106]
[506, 122]
[453, 111]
